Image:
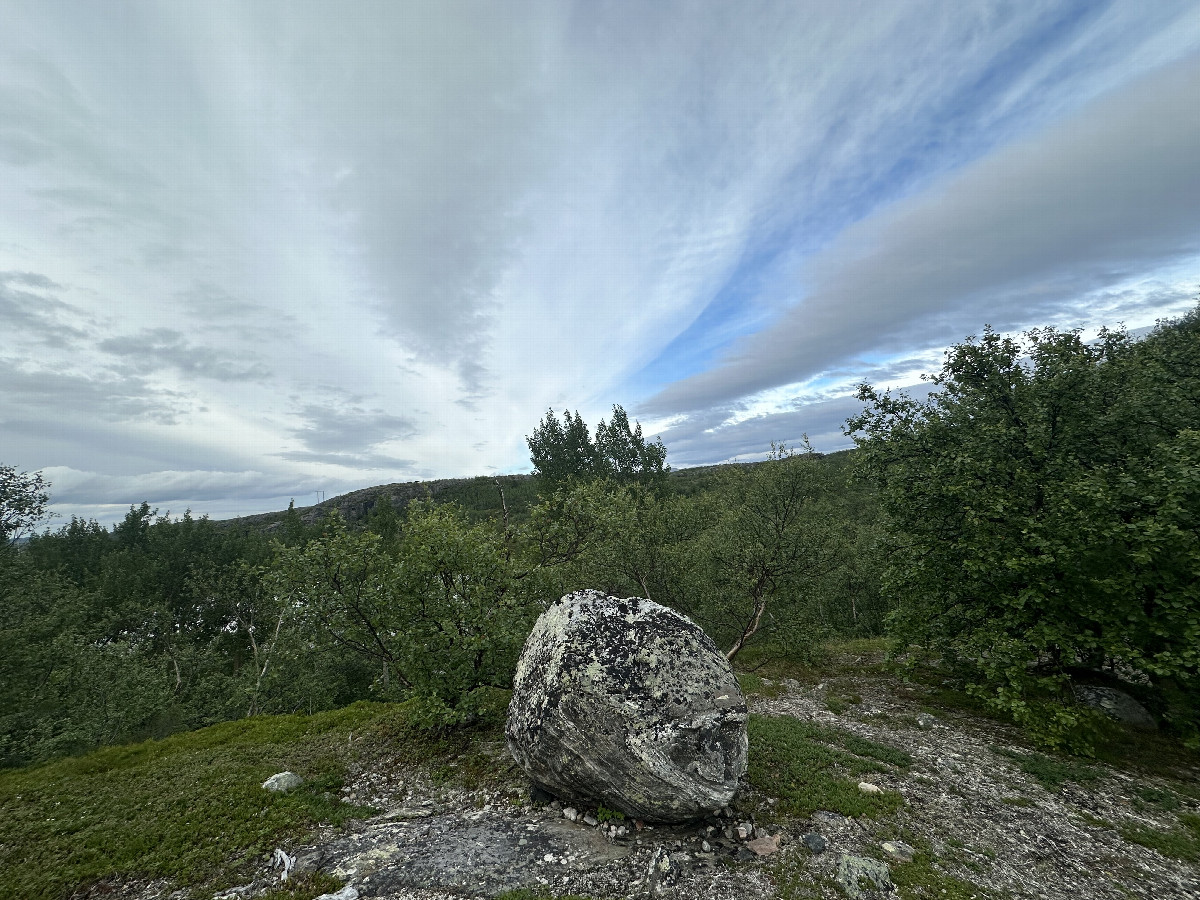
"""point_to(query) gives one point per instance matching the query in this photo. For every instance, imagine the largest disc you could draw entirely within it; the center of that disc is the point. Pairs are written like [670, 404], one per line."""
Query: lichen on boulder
[629, 704]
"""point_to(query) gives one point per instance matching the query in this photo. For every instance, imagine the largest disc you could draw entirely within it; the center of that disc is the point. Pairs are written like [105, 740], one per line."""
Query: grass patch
[1157, 798]
[805, 666]
[190, 807]
[839, 703]
[920, 880]
[810, 767]
[1016, 801]
[795, 881]
[1153, 753]
[306, 887]
[1049, 771]
[753, 685]
[1181, 843]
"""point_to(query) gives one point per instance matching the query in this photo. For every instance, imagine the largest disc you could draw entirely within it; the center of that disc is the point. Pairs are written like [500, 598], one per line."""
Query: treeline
[159, 625]
[1034, 523]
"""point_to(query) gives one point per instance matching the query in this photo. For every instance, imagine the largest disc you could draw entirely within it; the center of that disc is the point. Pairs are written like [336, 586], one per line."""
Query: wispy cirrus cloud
[1018, 236]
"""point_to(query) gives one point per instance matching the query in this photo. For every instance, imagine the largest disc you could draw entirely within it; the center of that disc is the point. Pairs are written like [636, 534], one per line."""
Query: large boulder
[1115, 704]
[630, 704]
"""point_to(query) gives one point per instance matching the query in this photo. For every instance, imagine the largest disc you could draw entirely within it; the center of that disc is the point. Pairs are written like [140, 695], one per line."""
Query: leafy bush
[437, 616]
[1042, 512]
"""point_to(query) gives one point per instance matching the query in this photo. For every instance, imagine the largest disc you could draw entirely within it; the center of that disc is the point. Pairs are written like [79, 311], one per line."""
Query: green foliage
[384, 520]
[604, 814]
[1041, 508]
[564, 453]
[810, 767]
[750, 558]
[760, 562]
[439, 616]
[23, 499]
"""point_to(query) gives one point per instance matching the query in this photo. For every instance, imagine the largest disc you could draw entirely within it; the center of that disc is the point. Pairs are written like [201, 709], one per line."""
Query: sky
[254, 251]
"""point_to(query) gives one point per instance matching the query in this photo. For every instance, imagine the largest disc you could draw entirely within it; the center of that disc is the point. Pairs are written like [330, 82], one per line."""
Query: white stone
[283, 782]
[868, 788]
[346, 893]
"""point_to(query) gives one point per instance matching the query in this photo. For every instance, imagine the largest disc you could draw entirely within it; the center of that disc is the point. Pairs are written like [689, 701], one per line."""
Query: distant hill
[479, 496]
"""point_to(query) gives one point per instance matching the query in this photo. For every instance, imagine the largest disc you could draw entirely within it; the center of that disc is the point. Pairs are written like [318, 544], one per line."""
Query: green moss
[1051, 772]
[540, 893]
[306, 887]
[1017, 801]
[921, 880]
[810, 767]
[839, 703]
[189, 808]
[1157, 798]
[1182, 842]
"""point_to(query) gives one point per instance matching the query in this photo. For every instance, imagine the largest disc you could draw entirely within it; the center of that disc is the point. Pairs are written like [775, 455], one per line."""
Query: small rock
[662, 870]
[925, 721]
[590, 820]
[281, 860]
[867, 788]
[857, 875]
[283, 782]
[570, 813]
[814, 842]
[832, 818]
[346, 893]
[744, 831]
[745, 854]
[705, 847]
[899, 850]
[764, 846]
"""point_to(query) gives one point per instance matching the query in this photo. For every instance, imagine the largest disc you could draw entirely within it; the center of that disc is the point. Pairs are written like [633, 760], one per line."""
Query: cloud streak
[1112, 190]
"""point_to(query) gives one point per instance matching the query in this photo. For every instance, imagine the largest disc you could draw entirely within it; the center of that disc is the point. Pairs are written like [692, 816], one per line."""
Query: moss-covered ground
[189, 808]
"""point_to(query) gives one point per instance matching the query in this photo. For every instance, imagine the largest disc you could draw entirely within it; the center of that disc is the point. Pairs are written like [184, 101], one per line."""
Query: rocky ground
[975, 823]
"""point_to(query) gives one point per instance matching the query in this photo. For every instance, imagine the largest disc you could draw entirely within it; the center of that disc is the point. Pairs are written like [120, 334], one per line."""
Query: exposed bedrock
[630, 704]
